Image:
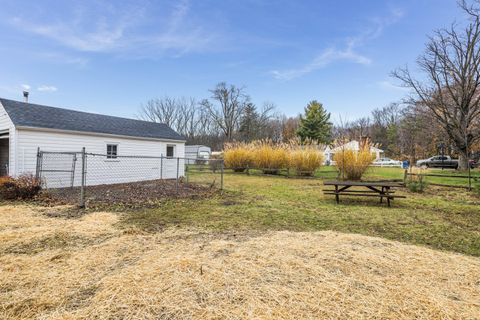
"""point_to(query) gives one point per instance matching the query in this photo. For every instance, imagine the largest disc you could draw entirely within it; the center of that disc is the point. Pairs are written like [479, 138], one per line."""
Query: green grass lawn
[396, 173]
[440, 218]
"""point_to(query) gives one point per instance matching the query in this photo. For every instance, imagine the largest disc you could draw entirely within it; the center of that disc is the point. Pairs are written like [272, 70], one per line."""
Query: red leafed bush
[25, 186]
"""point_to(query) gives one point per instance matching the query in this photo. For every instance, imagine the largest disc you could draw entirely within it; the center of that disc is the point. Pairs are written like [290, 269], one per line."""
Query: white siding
[99, 169]
[7, 124]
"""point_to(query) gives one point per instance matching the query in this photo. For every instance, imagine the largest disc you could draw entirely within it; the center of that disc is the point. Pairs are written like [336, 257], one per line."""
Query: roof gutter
[97, 134]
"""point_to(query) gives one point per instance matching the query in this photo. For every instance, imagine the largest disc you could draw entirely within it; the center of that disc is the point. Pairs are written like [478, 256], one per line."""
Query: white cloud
[348, 52]
[45, 88]
[104, 27]
[25, 87]
[322, 60]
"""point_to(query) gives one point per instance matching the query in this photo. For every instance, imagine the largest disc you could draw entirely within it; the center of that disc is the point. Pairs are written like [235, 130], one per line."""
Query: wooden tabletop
[362, 183]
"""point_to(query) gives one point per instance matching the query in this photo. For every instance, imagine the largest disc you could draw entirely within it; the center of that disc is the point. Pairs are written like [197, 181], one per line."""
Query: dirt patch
[185, 274]
[126, 195]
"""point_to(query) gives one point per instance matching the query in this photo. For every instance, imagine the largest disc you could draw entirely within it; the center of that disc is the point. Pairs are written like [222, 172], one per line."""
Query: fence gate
[57, 169]
[65, 174]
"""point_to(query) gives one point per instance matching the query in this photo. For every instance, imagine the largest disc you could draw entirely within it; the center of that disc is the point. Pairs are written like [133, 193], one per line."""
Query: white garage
[26, 128]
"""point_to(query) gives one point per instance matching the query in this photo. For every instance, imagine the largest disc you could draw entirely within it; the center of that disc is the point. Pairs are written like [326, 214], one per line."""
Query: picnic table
[382, 189]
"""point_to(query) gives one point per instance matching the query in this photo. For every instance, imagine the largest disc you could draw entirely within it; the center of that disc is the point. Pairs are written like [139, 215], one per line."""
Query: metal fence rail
[77, 172]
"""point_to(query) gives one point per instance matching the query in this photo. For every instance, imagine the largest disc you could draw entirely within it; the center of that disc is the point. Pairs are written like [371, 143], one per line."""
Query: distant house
[352, 145]
[24, 127]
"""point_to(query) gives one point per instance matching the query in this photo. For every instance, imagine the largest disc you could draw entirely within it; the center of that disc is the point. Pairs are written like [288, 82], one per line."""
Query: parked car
[474, 164]
[387, 162]
[438, 162]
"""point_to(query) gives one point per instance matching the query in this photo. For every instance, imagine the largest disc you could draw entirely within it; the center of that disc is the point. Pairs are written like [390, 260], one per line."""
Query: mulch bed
[130, 195]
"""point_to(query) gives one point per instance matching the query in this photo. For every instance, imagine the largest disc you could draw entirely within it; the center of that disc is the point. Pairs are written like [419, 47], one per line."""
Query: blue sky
[109, 57]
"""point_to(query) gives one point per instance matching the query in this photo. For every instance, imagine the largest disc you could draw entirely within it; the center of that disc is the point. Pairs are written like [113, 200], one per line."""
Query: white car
[387, 162]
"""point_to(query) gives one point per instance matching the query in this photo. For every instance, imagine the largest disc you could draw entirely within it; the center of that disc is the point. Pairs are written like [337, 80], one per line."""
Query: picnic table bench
[380, 189]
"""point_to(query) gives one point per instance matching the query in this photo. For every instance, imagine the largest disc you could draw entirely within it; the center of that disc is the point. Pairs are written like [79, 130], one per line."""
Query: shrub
[352, 164]
[238, 156]
[415, 182]
[306, 160]
[25, 186]
[270, 158]
[215, 165]
[416, 186]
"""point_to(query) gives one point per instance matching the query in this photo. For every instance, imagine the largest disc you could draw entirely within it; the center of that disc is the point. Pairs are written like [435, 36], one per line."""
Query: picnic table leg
[337, 198]
[388, 198]
[381, 198]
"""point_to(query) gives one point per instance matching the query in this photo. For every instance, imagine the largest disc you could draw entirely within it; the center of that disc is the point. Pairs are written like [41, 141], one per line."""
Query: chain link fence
[83, 176]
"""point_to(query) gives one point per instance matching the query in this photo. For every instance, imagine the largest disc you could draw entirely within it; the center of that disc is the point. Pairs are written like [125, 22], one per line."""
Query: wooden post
[388, 198]
[337, 198]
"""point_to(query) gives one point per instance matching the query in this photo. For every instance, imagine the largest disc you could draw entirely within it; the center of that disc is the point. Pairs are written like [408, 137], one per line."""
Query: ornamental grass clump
[352, 164]
[305, 160]
[270, 158]
[238, 156]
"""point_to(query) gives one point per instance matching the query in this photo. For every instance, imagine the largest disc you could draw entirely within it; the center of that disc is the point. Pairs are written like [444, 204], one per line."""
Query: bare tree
[388, 115]
[289, 127]
[184, 115]
[227, 108]
[363, 127]
[255, 125]
[187, 121]
[160, 110]
[450, 86]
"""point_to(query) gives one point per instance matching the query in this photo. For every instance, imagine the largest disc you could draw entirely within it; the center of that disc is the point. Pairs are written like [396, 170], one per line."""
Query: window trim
[173, 152]
[112, 157]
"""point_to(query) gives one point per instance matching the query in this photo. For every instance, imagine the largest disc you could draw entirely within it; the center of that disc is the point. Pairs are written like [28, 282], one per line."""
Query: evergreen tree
[315, 125]
[249, 123]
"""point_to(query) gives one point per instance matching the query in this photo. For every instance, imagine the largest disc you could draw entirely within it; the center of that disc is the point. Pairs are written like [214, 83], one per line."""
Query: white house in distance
[25, 127]
[352, 145]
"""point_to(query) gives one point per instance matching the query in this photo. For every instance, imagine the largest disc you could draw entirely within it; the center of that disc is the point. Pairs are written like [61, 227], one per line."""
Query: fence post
[405, 176]
[161, 167]
[178, 168]
[221, 174]
[82, 188]
[469, 175]
[185, 165]
[37, 170]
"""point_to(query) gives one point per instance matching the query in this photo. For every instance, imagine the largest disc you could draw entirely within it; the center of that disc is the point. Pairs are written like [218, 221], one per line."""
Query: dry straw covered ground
[89, 267]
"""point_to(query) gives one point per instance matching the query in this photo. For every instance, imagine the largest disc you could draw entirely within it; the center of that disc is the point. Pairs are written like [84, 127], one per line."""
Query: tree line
[230, 115]
[442, 108]
[403, 131]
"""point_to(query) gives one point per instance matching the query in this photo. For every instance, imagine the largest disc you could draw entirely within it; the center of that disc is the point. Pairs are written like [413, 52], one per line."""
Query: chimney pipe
[25, 95]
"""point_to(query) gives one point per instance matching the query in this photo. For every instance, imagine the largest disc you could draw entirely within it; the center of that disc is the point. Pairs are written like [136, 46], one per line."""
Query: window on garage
[170, 151]
[112, 151]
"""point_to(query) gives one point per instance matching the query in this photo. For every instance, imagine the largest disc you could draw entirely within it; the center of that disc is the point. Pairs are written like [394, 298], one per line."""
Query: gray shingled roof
[38, 116]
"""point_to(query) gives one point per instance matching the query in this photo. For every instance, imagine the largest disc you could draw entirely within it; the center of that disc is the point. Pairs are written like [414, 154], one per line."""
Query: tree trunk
[463, 160]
